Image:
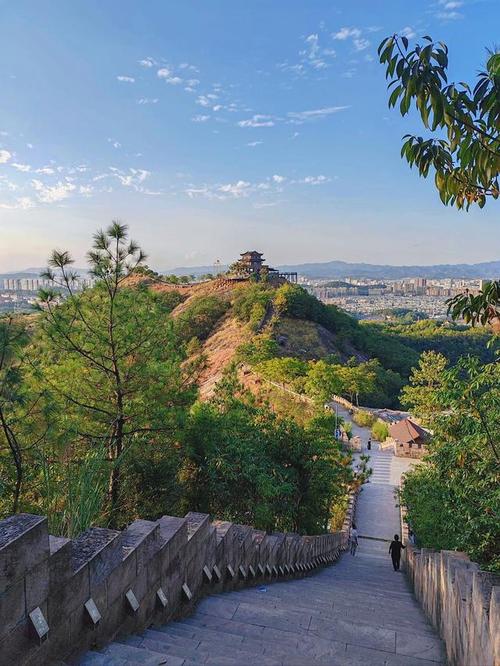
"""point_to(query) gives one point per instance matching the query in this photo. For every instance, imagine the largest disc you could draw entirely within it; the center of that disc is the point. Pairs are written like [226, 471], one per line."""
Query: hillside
[282, 335]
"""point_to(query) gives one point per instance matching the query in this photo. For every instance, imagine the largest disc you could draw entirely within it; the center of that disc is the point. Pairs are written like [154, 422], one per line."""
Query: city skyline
[212, 128]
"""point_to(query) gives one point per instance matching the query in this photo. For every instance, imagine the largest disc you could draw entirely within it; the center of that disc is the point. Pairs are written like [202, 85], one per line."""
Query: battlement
[60, 597]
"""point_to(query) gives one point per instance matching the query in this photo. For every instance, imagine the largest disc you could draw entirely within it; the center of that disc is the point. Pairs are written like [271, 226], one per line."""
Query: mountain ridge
[339, 269]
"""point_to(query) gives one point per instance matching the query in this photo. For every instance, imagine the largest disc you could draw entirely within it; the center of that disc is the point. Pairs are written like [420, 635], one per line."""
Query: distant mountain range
[335, 270]
[343, 269]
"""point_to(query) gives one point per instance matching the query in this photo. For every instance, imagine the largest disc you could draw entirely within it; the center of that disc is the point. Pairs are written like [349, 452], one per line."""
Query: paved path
[358, 612]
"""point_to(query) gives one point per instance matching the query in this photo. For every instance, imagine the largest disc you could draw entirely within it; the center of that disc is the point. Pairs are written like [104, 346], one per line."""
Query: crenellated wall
[461, 601]
[59, 596]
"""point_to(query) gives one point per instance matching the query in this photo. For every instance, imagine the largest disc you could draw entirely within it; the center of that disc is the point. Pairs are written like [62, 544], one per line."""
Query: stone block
[100, 550]
[12, 607]
[24, 543]
[60, 568]
[37, 585]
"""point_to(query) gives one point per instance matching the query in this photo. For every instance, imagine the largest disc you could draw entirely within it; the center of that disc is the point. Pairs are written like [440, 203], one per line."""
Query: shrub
[364, 419]
[200, 317]
[380, 431]
[251, 302]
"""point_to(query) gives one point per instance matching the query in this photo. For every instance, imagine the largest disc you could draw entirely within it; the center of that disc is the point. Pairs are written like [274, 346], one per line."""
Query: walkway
[358, 612]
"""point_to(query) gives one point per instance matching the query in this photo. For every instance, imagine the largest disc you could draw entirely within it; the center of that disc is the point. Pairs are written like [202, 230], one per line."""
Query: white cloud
[408, 32]
[147, 62]
[302, 116]
[168, 76]
[148, 100]
[52, 193]
[21, 167]
[355, 34]
[314, 180]
[45, 170]
[446, 10]
[23, 203]
[29, 145]
[115, 144]
[4, 156]
[126, 79]
[278, 179]
[258, 120]
[86, 190]
[236, 190]
[200, 118]
[252, 144]
[345, 33]
[361, 44]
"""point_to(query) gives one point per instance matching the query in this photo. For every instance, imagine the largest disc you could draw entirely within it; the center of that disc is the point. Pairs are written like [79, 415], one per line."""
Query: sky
[215, 126]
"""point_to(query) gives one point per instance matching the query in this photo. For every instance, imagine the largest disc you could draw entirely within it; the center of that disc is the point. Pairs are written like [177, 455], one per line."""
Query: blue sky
[215, 126]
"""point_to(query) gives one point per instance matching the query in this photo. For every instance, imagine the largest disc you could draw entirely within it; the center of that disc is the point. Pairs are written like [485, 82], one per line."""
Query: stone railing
[59, 597]
[461, 601]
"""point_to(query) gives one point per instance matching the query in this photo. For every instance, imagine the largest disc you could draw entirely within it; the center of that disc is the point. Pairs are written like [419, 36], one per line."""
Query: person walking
[395, 552]
[353, 539]
[369, 444]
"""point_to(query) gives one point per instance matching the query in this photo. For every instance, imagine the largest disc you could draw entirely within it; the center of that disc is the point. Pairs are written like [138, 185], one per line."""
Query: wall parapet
[461, 601]
[60, 597]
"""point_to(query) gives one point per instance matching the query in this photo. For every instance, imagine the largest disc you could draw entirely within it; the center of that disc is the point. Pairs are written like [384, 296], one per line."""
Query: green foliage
[364, 419]
[200, 317]
[465, 151]
[283, 370]
[251, 303]
[380, 431]
[247, 465]
[406, 341]
[262, 348]
[453, 498]
[422, 396]
[483, 308]
[323, 381]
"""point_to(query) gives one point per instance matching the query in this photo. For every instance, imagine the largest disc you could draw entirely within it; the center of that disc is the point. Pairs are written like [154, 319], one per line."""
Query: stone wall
[461, 601]
[59, 597]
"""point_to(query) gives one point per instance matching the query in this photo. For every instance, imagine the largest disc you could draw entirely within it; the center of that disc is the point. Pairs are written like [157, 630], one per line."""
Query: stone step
[98, 659]
[199, 651]
[139, 655]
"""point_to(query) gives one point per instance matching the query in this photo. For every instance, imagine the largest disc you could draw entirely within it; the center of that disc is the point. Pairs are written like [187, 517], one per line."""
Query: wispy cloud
[299, 117]
[53, 193]
[359, 42]
[446, 10]
[126, 79]
[314, 56]
[252, 144]
[5, 156]
[257, 120]
[148, 100]
[314, 180]
[408, 32]
[167, 75]
[148, 62]
[261, 190]
[200, 118]
[21, 167]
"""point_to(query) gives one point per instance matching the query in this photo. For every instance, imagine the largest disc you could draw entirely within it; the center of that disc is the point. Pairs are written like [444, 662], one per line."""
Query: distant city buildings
[19, 294]
[372, 299]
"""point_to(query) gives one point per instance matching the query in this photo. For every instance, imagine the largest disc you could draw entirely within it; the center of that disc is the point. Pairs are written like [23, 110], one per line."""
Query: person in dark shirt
[395, 552]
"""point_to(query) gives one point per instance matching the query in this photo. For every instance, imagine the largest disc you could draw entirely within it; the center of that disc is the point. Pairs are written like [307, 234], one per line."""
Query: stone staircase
[358, 612]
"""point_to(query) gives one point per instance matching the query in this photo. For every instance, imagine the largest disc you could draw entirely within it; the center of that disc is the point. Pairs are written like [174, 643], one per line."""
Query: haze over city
[213, 127]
